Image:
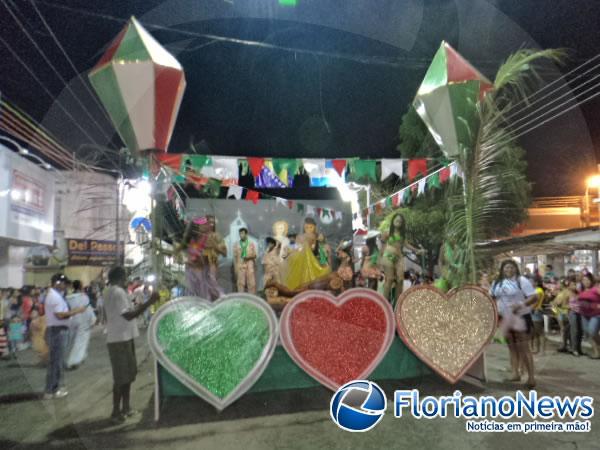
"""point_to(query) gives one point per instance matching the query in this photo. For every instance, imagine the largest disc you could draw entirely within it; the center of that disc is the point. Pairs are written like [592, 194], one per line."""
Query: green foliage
[496, 195]
[415, 139]
[425, 222]
[494, 186]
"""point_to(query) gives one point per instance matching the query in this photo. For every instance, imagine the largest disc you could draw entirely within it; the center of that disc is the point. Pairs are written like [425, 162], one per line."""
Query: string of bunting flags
[235, 191]
[280, 172]
[401, 197]
[210, 173]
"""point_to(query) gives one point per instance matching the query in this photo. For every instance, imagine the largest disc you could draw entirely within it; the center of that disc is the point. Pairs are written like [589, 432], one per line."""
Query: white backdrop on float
[26, 200]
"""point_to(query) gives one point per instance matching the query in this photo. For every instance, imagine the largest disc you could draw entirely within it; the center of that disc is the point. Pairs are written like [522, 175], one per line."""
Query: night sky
[327, 78]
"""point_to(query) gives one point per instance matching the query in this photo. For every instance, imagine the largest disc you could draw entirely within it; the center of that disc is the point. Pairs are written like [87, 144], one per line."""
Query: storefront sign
[26, 200]
[90, 252]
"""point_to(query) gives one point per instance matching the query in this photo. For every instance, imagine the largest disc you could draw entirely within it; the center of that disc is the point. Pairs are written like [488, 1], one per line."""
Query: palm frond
[520, 70]
[489, 165]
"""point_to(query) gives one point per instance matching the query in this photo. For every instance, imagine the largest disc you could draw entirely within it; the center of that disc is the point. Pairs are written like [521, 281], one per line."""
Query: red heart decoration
[448, 332]
[337, 339]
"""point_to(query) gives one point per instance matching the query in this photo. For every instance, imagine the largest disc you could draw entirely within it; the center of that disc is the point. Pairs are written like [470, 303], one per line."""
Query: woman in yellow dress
[303, 266]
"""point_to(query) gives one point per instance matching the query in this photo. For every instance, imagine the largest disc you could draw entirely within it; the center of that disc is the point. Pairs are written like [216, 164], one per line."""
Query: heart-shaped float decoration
[337, 339]
[217, 349]
[448, 332]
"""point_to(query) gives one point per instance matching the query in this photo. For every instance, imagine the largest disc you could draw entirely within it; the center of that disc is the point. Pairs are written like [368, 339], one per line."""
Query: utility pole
[119, 254]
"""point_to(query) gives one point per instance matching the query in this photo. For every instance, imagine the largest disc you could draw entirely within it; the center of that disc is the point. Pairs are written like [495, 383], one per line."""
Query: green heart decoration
[218, 350]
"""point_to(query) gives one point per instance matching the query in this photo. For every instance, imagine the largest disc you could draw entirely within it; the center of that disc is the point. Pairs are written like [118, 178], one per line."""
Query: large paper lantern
[141, 86]
[447, 100]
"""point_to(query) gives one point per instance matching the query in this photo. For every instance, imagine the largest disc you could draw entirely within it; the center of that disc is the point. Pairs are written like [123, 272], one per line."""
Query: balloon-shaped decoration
[447, 100]
[140, 84]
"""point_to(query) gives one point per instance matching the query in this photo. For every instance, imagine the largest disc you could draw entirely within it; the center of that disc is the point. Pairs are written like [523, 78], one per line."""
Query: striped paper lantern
[447, 100]
[141, 85]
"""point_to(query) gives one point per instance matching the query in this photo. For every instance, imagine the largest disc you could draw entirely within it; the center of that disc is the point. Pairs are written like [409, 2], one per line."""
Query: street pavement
[297, 419]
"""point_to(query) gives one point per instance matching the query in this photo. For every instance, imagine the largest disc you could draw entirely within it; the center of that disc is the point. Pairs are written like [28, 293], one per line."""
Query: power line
[578, 102]
[59, 45]
[531, 128]
[57, 73]
[520, 119]
[562, 78]
[568, 84]
[17, 117]
[46, 90]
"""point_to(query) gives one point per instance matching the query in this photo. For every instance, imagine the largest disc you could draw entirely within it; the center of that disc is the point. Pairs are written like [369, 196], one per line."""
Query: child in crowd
[538, 339]
[37, 333]
[560, 308]
[16, 334]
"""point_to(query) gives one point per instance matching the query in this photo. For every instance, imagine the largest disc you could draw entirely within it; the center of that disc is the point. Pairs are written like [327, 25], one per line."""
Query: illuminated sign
[92, 252]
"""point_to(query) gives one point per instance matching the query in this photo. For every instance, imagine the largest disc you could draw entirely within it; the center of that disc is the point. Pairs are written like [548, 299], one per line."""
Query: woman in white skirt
[514, 295]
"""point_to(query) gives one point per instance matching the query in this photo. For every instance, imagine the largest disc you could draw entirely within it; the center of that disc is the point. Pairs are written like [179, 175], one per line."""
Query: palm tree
[480, 199]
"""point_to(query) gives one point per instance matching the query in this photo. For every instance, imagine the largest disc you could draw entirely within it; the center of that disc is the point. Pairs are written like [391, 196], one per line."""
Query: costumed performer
[280, 232]
[203, 245]
[323, 251]
[271, 262]
[302, 266]
[244, 261]
[368, 269]
[391, 261]
[344, 271]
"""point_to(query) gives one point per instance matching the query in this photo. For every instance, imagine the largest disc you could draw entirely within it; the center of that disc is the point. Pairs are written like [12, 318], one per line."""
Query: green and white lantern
[447, 100]
[141, 85]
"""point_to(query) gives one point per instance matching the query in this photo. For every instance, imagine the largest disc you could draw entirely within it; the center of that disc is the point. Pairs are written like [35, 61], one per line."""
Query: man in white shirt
[57, 333]
[121, 330]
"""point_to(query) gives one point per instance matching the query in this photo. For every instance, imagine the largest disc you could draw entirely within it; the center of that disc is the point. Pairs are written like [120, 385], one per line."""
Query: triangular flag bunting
[396, 200]
[291, 165]
[256, 165]
[391, 166]
[339, 165]
[421, 186]
[199, 161]
[234, 191]
[444, 174]
[415, 167]
[253, 196]
[365, 168]
[172, 161]
[433, 181]
[453, 170]
[300, 208]
[243, 167]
